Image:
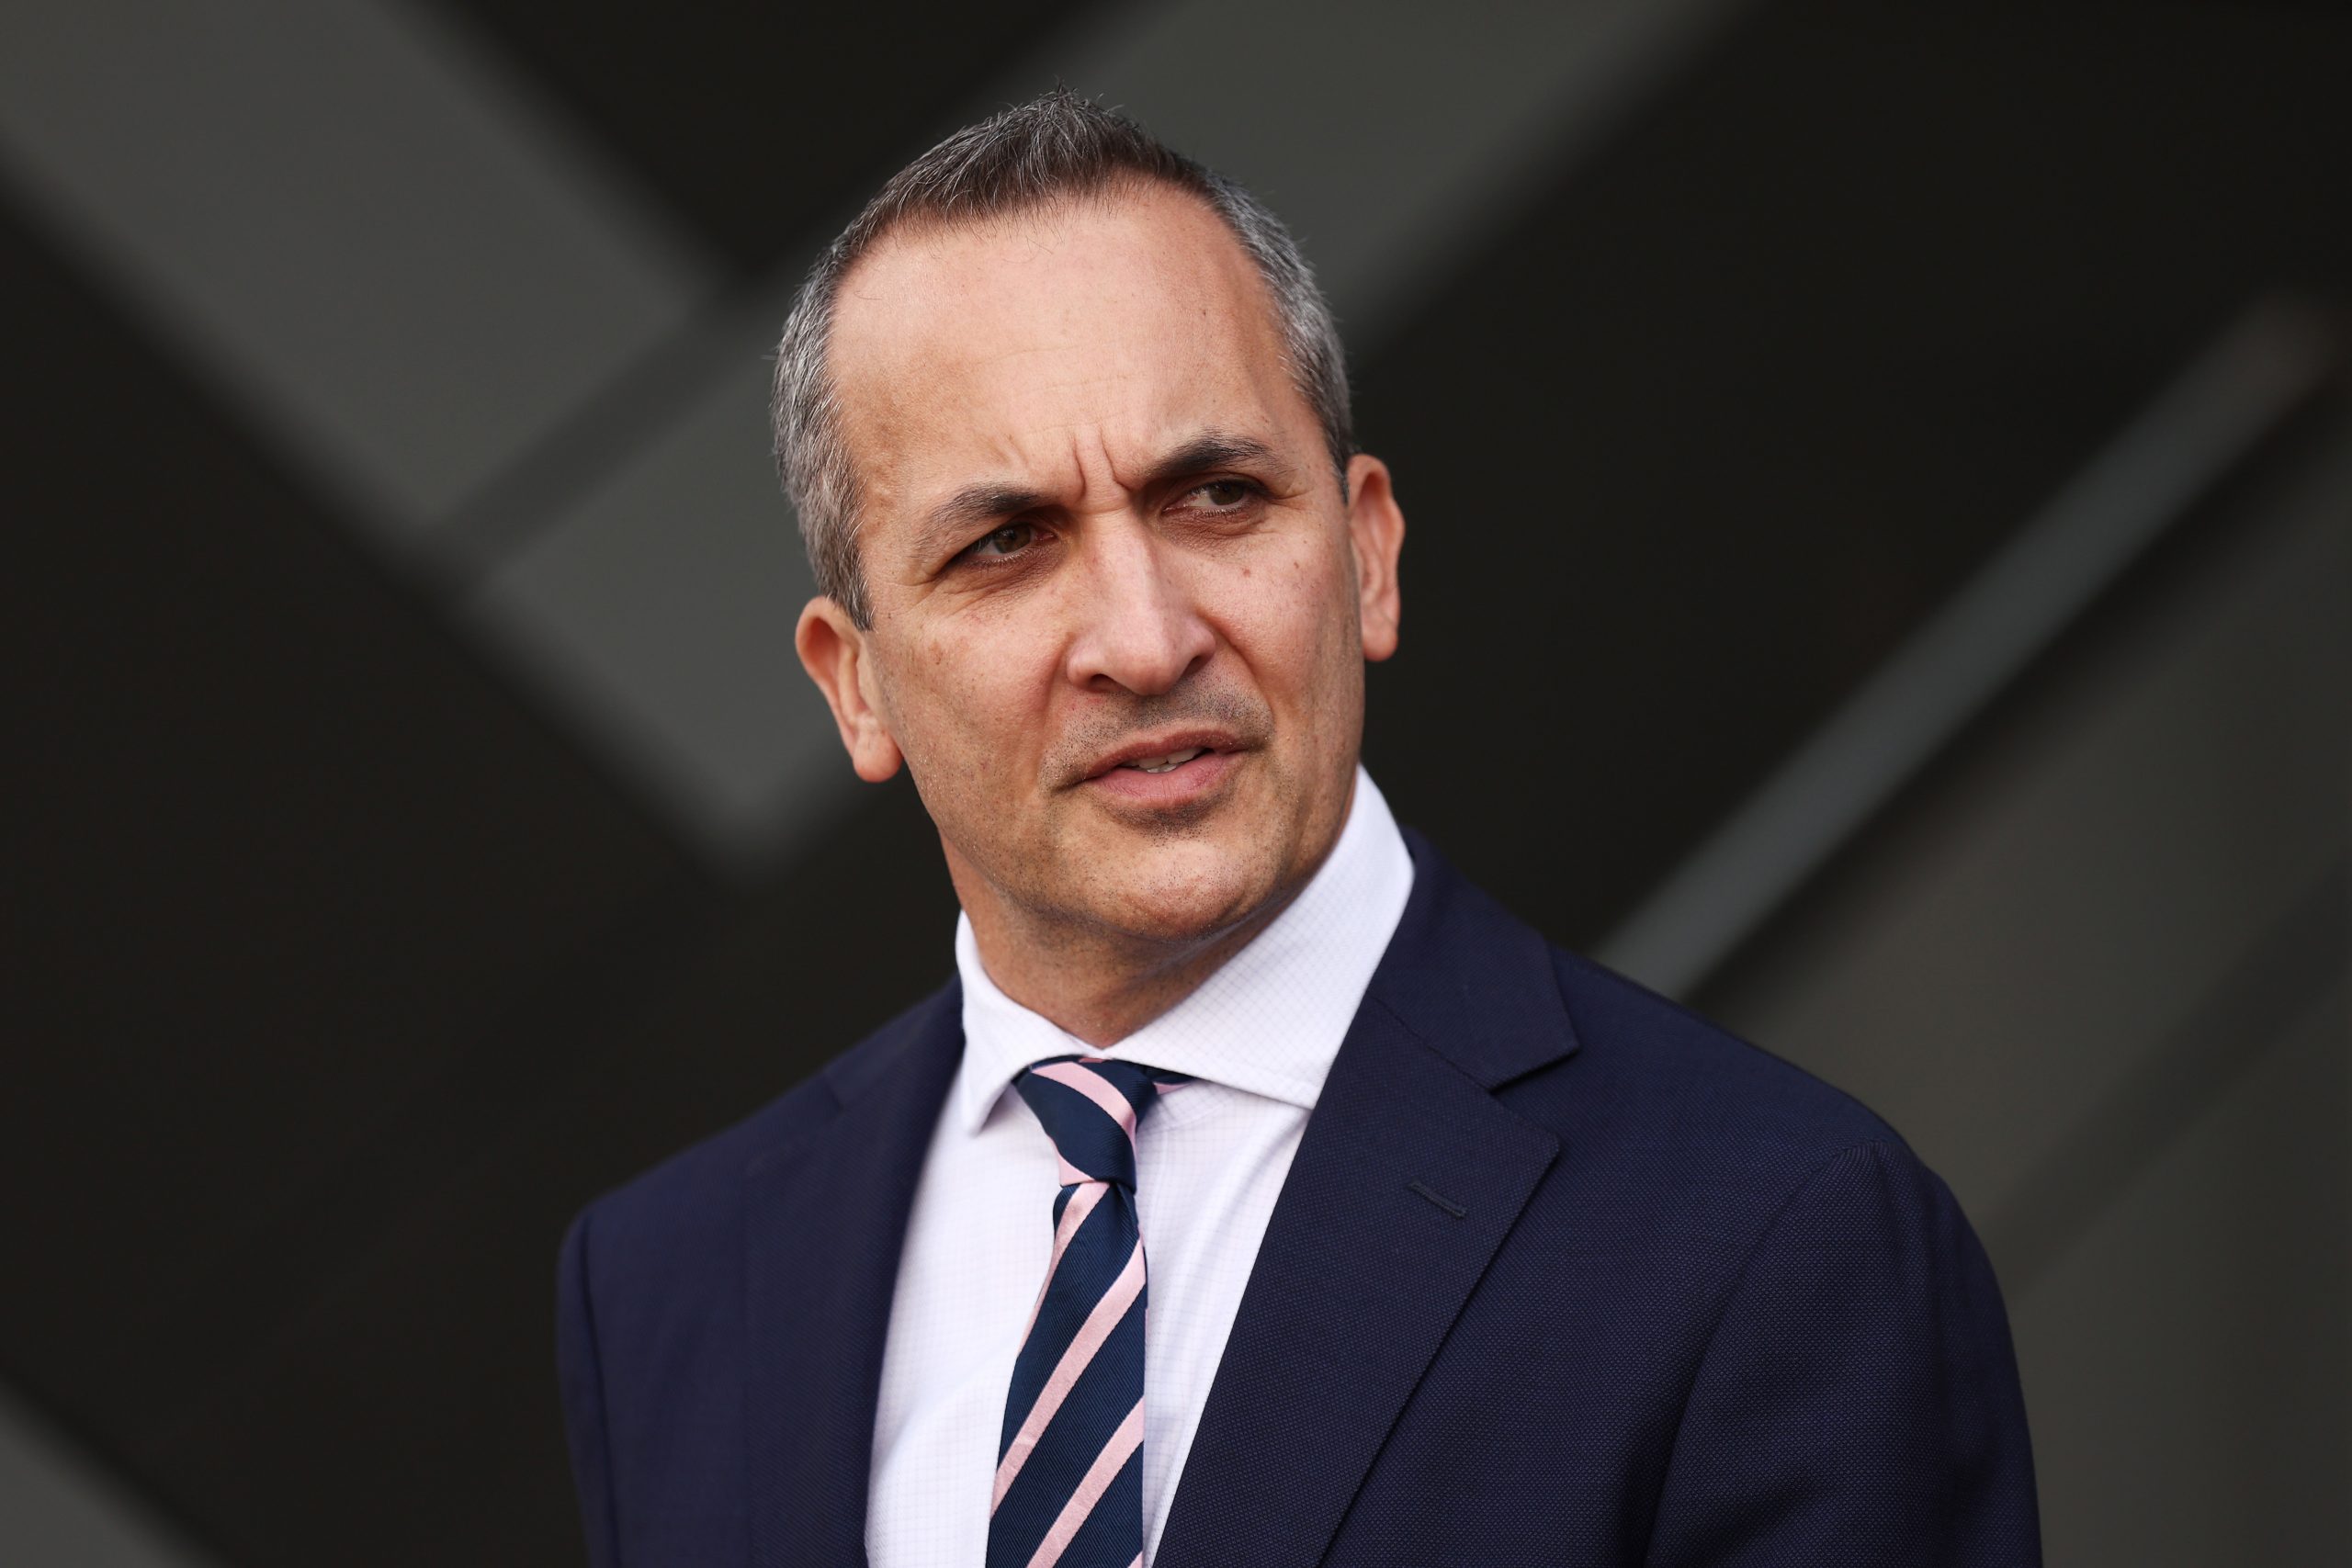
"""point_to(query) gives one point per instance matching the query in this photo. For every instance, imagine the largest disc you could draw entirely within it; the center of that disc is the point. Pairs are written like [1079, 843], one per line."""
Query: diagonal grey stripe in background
[2119, 505]
[371, 241]
[57, 1510]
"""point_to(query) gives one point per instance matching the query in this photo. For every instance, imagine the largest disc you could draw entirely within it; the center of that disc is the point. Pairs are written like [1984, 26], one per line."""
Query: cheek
[963, 706]
[1293, 619]
[1315, 603]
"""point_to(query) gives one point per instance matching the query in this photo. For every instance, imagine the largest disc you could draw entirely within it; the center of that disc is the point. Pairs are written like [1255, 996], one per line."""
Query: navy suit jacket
[1561, 1274]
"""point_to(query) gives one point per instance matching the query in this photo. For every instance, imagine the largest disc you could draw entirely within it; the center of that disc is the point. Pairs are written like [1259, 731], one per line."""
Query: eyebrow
[975, 504]
[1216, 449]
[964, 511]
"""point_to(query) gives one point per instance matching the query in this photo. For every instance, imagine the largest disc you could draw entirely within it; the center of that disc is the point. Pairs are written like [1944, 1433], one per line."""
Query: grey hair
[1057, 147]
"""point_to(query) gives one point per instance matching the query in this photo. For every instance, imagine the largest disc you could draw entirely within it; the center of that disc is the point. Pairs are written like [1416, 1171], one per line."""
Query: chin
[1176, 894]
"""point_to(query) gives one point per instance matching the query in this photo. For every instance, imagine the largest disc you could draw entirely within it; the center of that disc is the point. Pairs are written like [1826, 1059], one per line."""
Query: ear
[834, 651]
[1376, 534]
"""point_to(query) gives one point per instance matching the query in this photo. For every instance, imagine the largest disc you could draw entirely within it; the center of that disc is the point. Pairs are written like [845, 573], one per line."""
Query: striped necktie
[1069, 1466]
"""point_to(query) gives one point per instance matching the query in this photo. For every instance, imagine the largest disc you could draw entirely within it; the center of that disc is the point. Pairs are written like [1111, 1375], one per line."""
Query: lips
[1166, 762]
[1162, 752]
[1178, 779]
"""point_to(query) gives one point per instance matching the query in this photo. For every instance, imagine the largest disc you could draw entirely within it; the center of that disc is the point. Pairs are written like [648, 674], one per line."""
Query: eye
[1222, 495]
[998, 543]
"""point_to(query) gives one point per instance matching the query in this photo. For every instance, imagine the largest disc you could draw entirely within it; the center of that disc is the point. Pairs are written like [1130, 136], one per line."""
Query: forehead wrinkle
[991, 498]
[1035, 375]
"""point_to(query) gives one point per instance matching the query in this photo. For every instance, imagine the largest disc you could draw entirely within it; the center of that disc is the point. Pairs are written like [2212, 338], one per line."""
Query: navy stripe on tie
[1068, 1486]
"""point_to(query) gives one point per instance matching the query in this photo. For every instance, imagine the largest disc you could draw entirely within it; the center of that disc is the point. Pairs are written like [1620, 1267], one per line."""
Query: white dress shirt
[1210, 1157]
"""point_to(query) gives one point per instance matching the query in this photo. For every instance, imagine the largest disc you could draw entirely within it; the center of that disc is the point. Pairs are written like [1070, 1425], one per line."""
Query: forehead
[1054, 349]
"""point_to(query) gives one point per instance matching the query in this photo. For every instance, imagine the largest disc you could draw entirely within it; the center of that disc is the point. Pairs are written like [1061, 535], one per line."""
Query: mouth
[1165, 770]
[1167, 762]
[1163, 752]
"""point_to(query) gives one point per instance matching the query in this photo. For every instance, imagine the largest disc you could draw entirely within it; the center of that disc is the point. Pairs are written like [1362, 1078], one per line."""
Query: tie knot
[1090, 1107]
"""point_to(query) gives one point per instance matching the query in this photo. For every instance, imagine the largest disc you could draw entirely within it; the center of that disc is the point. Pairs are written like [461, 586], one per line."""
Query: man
[1458, 1248]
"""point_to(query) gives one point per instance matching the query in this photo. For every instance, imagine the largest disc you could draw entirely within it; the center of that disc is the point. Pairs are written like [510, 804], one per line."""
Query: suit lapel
[1366, 1262]
[825, 1219]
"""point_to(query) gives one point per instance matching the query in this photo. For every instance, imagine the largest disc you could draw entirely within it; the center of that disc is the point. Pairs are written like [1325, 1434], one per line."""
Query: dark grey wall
[417, 823]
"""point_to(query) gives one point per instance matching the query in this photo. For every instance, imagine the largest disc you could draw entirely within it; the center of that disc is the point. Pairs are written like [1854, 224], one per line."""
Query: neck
[1102, 986]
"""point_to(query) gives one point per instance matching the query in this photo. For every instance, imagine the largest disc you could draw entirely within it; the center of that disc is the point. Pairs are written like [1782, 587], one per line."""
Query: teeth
[1161, 764]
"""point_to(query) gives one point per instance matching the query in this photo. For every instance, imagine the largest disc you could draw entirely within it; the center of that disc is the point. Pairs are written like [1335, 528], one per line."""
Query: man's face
[1101, 531]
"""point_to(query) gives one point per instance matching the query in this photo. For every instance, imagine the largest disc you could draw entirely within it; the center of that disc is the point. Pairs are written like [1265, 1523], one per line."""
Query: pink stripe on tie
[1096, 1088]
[1099, 1476]
[1081, 1203]
[1091, 1335]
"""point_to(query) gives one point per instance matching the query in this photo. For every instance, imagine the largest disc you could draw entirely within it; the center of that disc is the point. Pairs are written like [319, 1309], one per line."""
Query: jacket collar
[1470, 979]
[1408, 1177]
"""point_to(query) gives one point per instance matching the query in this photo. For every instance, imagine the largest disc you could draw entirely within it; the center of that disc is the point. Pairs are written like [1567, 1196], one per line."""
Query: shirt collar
[1269, 1022]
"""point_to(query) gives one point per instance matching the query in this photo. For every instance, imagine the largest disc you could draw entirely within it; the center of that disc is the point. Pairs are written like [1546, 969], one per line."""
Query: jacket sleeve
[581, 1379]
[1858, 1400]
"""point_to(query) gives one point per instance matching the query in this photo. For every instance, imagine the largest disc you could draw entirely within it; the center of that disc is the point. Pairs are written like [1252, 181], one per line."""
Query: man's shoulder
[1654, 1068]
[1615, 1066]
[1687, 1152]
[668, 1210]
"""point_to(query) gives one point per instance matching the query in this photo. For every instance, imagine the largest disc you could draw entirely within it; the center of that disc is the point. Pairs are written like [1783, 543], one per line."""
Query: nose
[1139, 627]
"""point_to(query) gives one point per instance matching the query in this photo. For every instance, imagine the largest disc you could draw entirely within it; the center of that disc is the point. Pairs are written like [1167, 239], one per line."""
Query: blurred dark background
[1881, 487]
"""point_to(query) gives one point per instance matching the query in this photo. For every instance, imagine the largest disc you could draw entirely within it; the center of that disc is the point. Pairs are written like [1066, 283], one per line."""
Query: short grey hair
[1055, 148]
